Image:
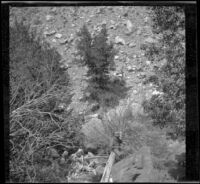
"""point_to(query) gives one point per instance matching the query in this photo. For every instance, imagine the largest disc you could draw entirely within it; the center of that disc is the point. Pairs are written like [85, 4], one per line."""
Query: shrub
[168, 56]
[38, 122]
[100, 133]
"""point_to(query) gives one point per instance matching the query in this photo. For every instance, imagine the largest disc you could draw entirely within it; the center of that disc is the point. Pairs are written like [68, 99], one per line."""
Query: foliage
[98, 55]
[168, 56]
[39, 119]
[101, 133]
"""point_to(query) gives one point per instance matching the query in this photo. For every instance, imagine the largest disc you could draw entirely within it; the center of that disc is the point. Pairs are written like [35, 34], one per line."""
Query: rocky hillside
[129, 28]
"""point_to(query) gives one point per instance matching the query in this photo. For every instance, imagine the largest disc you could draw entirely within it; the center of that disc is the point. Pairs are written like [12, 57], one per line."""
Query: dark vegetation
[168, 56]
[41, 129]
[97, 55]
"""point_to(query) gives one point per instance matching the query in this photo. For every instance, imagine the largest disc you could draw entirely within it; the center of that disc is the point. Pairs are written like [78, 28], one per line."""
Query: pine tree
[98, 55]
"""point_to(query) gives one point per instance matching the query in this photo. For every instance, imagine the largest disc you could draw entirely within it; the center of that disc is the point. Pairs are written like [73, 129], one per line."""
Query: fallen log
[107, 170]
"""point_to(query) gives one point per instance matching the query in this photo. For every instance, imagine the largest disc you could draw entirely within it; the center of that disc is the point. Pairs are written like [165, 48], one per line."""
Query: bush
[39, 121]
[168, 56]
[100, 133]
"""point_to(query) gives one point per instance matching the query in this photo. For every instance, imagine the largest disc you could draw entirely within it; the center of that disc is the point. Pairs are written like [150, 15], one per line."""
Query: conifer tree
[98, 55]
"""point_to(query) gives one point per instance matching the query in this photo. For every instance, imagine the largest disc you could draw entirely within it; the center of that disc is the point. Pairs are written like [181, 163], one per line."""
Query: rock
[79, 152]
[129, 26]
[163, 62]
[134, 56]
[65, 154]
[147, 165]
[127, 60]
[53, 9]
[150, 40]
[71, 38]
[95, 133]
[119, 40]
[112, 22]
[104, 22]
[61, 106]
[134, 91]
[91, 116]
[88, 20]
[124, 170]
[119, 75]
[125, 14]
[148, 62]
[141, 75]
[49, 33]
[139, 31]
[135, 168]
[58, 35]
[130, 68]
[110, 8]
[155, 92]
[62, 160]
[146, 19]
[63, 41]
[112, 27]
[132, 44]
[139, 161]
[54, 40]
[91, 147]
[116, 57]
[49, 17]
[90, 154]
[53, 153]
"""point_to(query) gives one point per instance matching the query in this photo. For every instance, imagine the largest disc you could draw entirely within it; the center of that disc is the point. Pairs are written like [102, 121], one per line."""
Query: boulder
[150, 40]
[63, 41]
[146, 19]
[155, 92]
[49, 33]
[94, 130]
[148, 62]
[127, 60]
[58, 35]
[112, 22]
[112, 27]
[116, 57]
[129, 26]
[134, 91]
[134, 168]
[52, 152]
[139, 31]
[88, 20]
[104, 22]
[54, 40]
[132, 44]
[131, 68]
[119, 40]
[134, 56]
[49, 17]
